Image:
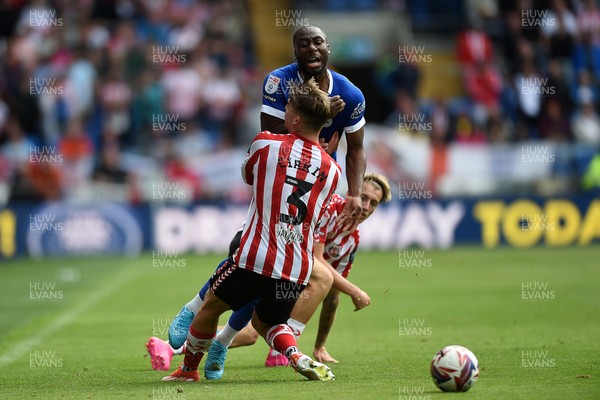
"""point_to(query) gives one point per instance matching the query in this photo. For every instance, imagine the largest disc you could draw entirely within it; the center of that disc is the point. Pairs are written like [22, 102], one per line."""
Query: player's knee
[321, 277]
[252, 337]
[213, 306]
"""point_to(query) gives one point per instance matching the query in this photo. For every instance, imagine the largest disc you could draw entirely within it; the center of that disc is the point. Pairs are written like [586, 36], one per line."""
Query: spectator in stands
[586, 124]
[183, 91]
[34, 180]
[81, 82]
[465, 130]
[498, 128]
[558, 84]
[558, 45]
[473, 46]
[528, 89]
[484, 86]
[77, 150]
[109, 169]
[586, 55]
[585, 90]
[222, 98]
[147, 104]
[563, 18]
[588, 20]
[115, 97]
[17, 147]
[554, 124]
[510, 40]
[407, 76]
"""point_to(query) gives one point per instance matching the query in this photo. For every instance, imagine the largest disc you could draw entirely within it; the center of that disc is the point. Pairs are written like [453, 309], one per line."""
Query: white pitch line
[66, 317]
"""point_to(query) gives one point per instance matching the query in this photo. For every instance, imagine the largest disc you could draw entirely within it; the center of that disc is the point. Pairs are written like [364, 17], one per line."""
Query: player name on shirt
[302, 165]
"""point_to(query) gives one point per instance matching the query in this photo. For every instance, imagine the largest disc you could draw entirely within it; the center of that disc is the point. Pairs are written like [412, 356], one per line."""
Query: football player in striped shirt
[292, 179]
[335, 248]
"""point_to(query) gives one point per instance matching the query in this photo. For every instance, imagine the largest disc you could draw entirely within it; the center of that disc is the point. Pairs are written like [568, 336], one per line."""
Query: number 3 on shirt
[302, 187]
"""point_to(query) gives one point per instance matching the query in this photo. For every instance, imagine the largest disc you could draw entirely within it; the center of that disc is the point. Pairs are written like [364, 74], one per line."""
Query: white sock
[179, 350]
[225, 337]
[297, 326]
[194, 304]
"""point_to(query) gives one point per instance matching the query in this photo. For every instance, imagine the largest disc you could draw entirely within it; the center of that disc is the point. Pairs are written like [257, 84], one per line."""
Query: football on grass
[454, 369]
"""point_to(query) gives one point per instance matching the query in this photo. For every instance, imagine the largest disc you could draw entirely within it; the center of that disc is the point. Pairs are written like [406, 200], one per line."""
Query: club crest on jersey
[334, 251]
[358, 110]
[288, 234]
[272, 84]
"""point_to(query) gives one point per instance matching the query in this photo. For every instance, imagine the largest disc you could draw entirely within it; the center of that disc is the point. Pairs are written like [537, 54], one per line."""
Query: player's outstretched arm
[326, 319]
[356, 163]
[360, 298]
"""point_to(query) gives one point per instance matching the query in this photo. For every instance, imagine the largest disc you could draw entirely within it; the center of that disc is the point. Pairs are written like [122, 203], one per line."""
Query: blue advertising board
[65, 229]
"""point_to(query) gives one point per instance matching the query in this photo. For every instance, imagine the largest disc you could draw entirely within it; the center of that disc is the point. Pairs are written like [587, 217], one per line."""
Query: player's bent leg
[321, 281]
[181, 323]
[281, 338]
[180, 326]
[215, 360]
[326, 320]
[269, 320]
[199, 338]
[246, 337]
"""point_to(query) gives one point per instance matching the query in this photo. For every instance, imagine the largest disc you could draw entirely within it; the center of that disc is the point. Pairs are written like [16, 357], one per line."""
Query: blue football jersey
[275, 97]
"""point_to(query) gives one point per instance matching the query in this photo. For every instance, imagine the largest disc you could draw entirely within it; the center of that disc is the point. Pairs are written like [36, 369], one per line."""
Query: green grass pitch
[75, 329]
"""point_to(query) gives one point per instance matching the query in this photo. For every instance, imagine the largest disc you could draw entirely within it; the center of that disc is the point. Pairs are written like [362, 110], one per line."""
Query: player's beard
[312, 73]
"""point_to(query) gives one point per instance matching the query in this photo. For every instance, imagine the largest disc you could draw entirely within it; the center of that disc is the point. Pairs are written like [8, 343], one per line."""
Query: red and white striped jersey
[293, 180]
[339, 245]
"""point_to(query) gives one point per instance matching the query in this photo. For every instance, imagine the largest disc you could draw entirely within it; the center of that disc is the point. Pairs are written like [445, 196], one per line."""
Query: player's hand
[349, 217]
[331, 146]
[361, 300]
[321, 355]
[336, 106]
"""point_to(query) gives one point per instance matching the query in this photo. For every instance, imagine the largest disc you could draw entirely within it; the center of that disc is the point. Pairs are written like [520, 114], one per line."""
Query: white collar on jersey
[328, 75]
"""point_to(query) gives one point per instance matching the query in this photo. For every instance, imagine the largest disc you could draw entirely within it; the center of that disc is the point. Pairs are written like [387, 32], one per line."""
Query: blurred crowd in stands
[107, 90]
[530, 70]
[89, 80]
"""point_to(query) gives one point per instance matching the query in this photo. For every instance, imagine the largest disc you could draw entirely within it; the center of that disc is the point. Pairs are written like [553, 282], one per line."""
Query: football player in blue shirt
[311, 51]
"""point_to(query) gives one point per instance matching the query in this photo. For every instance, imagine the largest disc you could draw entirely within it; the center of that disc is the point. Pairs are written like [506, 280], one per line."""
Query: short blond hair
[311, 103]
[379, 182]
